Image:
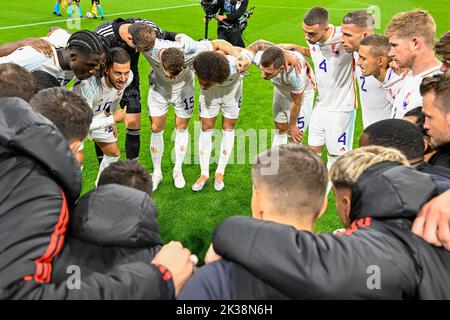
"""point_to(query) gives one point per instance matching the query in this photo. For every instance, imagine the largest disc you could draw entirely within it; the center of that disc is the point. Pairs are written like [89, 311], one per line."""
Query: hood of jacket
[388, 190]
[115, 215]
[24, 131]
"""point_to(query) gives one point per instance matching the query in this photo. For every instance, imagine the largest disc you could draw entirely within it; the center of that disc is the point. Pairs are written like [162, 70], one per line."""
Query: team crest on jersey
[153, 149]
[335, 50]
[406, 101]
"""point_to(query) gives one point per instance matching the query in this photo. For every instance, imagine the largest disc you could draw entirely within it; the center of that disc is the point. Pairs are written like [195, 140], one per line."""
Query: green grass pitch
[184, 215]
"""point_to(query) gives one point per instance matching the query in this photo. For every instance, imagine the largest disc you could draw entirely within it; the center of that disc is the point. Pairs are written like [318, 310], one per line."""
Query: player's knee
[157, 128]
[206, 127]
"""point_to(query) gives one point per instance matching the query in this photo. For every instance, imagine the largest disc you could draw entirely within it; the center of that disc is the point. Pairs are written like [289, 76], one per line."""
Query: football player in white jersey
[103, 94]
[221, 91]
[81, 58]
[293, 95]
[172, 82]
[333, 118]
[374, 62]
[411, 36]
[375, 104]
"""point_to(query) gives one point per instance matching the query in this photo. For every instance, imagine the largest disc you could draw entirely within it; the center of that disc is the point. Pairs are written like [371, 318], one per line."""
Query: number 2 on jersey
[363, 83]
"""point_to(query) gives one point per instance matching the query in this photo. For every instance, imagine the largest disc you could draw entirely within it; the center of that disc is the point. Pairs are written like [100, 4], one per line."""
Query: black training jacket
[111, 226]
[40, 181]
[377, 257]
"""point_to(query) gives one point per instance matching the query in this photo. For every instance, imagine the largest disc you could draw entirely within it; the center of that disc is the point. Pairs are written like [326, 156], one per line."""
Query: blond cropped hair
[411, 24]
[350, 166]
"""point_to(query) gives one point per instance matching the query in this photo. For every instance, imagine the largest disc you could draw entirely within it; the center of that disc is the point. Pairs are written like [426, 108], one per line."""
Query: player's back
[289, 81]
[186, 75]
[334, 70]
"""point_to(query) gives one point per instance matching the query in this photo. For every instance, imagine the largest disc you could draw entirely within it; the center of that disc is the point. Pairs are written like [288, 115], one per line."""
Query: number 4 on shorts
[343, 139]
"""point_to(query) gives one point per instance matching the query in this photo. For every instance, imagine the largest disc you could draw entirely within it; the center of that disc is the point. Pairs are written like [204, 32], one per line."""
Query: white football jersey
[393, 83]
[288, 82]
[186, 76]
[409, 96]
[58, 38]
[375, 103]
[233, 79]
[334, 69]
[101, 98]
[33, 60]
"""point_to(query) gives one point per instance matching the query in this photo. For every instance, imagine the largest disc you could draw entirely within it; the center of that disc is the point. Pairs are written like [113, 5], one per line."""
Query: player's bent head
[211, 68]
[412, 24]
[316, 15]
[315, 23]
[350, 166]
[362, 19]
[374, 54]
[413, 115]
[142, 36]
[398, 134]
[442, 48]
[16, 81]
[355, 26]
[67, 110]
[44, 80]
[127, 173]
[87, 52]
[272, 60]
[172, 60]
[291, 182]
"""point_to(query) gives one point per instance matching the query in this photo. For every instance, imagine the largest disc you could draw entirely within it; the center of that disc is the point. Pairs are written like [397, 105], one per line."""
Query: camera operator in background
[229, 19]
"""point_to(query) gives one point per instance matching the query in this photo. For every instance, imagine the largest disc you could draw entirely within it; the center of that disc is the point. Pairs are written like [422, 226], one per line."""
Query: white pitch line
[306, 8]
[107, 15]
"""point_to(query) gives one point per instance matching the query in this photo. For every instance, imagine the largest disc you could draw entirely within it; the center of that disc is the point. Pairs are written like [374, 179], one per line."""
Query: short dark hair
[316, 15]
[397, 134]
[299, 185]
[44, 80]
[212, 66]
[172, 60]
[16, 81]
[127, 173]
[87, 42]
[360, 18]
[442, 47]
[119, 55]
[440, 85]
[379, 45]
[142, 35]
[273, 56]
[67, 110]
[416, 112]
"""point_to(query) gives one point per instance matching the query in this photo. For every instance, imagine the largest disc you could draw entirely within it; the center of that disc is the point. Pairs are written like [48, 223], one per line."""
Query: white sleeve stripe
[31, 64]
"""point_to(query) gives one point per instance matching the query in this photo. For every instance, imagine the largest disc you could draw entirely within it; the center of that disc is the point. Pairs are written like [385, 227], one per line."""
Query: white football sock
[106, 161]
[331, 160]
[205, 148]
[279, 139]
[181, 142]
[157, 150]
[225, 150]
